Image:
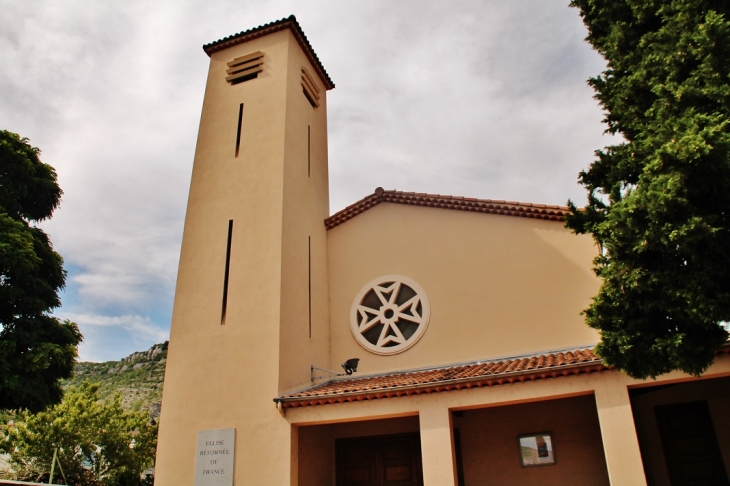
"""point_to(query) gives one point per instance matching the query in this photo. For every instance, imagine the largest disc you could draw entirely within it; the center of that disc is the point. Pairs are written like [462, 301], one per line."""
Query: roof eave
[489, 206]
[447, 385]
[584, 367]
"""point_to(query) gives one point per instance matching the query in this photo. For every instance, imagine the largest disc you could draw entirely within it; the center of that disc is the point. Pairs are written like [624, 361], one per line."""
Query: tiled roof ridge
[447, 378]
[290, 23]
[490, 206]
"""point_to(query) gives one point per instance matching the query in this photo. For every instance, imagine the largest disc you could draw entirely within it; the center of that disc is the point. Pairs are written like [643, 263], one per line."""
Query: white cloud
[109, 337]
[484, 99]
[141, 326]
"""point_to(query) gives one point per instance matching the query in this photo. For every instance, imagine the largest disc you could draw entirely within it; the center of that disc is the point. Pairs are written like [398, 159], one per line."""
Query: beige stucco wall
[491, 454]
[717, 393]
[498, 285]
[223, 376]
[306, 205]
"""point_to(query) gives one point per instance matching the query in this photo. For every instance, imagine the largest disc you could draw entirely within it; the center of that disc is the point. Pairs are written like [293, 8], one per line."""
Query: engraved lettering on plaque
[214, 457]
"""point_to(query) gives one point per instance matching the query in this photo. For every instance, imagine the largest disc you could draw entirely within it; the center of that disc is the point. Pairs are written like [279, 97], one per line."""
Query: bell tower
[251, 304]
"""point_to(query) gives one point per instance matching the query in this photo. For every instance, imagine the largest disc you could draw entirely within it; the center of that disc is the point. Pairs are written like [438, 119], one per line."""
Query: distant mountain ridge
[138, 378]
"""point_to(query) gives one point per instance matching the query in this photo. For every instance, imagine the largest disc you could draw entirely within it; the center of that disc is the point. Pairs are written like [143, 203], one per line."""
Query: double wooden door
[393, 460]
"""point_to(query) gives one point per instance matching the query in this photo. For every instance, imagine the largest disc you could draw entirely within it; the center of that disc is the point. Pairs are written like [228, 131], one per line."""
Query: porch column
[436, 446]
[294, 464]
[620, 443]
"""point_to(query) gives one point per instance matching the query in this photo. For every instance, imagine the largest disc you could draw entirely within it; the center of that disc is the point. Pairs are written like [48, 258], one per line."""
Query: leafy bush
[98, 442]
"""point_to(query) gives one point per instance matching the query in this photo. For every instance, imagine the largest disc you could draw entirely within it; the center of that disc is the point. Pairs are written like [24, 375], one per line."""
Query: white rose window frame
[389, 315]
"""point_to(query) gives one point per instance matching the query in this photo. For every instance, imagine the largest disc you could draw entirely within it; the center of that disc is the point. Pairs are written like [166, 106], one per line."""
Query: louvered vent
[311, 91]
[245, 67]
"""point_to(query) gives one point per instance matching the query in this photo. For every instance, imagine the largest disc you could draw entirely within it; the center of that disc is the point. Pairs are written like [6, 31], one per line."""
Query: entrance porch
[483, 443]
[585, 426]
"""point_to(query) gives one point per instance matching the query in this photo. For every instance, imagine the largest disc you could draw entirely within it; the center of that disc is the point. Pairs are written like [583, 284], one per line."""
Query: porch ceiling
[448, 378]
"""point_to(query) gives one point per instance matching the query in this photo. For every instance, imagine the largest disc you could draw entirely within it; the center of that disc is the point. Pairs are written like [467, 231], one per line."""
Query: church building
[410, 339]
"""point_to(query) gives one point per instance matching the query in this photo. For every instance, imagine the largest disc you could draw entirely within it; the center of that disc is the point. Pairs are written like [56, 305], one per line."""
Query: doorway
[684, 431]
[690, 446]
[391, 460]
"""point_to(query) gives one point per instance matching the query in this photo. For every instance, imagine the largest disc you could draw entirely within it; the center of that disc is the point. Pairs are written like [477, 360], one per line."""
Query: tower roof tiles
[266, 29]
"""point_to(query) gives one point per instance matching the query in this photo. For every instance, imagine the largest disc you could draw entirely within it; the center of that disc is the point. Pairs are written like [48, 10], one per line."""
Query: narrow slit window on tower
[225, 277]
[309, 256]
[309, 150]
[310, 89]
[245, 68]
[238, 132]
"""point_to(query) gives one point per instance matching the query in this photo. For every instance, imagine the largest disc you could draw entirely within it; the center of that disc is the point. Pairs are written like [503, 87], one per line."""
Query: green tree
[36, 349]
[659, 202]
[98, 443]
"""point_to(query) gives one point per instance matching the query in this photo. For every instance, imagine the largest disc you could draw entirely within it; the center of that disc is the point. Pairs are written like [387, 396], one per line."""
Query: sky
[482, 99]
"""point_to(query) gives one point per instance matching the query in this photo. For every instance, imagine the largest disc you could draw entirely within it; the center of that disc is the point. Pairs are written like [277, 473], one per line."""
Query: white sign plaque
[214, 457]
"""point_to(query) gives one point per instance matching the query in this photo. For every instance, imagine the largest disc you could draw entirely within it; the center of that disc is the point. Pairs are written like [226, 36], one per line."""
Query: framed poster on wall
[536, 449]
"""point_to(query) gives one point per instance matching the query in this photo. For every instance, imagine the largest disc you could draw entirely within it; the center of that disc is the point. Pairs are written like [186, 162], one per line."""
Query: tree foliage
[36, 349]
[98, 443]
[659, 203]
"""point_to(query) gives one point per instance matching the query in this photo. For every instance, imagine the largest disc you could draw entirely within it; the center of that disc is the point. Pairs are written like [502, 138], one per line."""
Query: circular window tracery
[389, 315]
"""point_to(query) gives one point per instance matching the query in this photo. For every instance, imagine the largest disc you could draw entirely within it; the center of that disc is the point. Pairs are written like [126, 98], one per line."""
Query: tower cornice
[266, 29]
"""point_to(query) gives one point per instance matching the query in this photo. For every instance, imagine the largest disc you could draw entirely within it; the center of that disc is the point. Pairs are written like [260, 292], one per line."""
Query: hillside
[138, 378]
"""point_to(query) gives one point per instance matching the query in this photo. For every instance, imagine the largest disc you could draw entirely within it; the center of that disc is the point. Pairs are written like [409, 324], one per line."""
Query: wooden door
[379, 461]
[690, 446]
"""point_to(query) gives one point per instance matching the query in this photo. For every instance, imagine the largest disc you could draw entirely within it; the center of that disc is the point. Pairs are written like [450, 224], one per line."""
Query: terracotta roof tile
[266, 29]
[507, 208]
[448, 378]
[457, 377]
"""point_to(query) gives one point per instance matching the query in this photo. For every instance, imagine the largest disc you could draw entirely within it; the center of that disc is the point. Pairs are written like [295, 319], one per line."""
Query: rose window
[389, 315]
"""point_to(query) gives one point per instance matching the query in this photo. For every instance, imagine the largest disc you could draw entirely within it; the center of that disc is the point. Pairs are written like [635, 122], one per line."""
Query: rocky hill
[138, 378]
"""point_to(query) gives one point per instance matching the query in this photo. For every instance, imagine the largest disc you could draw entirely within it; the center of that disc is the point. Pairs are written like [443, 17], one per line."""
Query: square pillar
[437, 451]
[620, 443]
